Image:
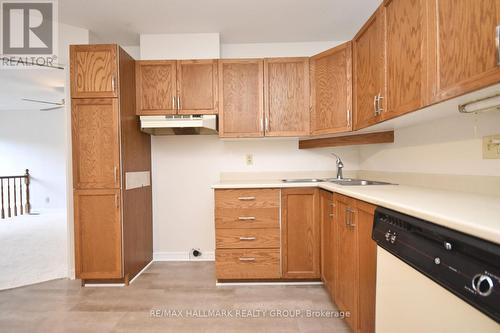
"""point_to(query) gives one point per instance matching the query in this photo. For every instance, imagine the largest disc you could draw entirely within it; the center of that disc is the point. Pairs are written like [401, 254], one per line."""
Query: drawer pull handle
[246, 198]
[247, 238]
[247, 259]
[246, 218]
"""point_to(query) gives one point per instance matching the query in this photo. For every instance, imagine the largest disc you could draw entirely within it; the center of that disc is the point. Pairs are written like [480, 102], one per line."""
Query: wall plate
[491, 147]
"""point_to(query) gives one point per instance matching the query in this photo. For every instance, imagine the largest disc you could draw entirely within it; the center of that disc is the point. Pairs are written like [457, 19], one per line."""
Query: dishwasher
[433, 279]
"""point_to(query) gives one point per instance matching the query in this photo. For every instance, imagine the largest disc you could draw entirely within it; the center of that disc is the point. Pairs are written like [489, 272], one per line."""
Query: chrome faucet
[340, 165]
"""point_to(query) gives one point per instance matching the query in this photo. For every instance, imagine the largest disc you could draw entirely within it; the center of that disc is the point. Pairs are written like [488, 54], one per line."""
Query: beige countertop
[474, 214]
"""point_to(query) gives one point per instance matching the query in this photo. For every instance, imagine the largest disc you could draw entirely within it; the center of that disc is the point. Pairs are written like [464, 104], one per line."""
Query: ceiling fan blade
[52, 108]
[55, 66]
[61, 103]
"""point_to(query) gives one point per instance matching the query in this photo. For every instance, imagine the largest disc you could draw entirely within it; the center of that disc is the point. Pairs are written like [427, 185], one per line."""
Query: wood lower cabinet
[300, 233]
[241, 89]
[94, 71]
[405, 53]
[355, 262]
[331, 90]
[286, 96]
[156, 87]
[328, 216]
[247, 232]
[111, 167]
[368, 72]
[462, 53]
[197, 87]
[98, 230]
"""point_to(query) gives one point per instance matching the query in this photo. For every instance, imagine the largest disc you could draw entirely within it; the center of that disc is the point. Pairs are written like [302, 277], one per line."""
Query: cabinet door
[98, 242]
[368, 71]
[300, 233]
[327, 209]
[286, 85]
[346, 269]
[331, 90]
[241, 89]
[463, 54]
[96, 145]
[197, 87]
[94, 71]
[367, 254]
[156, 87]
[406, 41]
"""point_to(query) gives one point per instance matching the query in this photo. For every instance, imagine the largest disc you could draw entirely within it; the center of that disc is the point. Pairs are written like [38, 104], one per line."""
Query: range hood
[179, 124]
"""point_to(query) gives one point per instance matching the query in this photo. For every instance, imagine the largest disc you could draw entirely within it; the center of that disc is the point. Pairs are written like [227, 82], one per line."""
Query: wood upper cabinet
[355, 256]
[197, 87]
[286, 96]
[156, 87]
[241, 89]
[368, 72]
[462, 50]
[405, 52]
[96, 145]
[300, 233]
[327, 209]
[331, 90]
[94, 71]
[98, 247]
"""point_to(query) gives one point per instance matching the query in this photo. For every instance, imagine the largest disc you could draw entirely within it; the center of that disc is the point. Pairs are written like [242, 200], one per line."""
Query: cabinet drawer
[247, 198]
[247, 218]
[247, 238]
[248, 264]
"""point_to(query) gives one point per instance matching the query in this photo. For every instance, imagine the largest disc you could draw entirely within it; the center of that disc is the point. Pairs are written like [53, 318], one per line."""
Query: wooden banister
[12, 206]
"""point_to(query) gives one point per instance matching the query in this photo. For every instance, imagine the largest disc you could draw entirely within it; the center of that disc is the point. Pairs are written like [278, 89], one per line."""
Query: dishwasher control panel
[467, 266]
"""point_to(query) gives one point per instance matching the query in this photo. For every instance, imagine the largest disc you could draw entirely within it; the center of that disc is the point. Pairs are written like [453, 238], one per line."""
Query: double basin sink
[343, 181]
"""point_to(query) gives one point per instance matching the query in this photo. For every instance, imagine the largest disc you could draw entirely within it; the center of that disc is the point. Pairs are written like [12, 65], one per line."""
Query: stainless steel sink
[357, 182]
[305, 180]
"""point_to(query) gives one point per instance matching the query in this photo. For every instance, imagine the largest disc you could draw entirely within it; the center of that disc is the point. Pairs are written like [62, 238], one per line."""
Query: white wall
[179, 46]
[451, 145]
[185, 167]
[262, 50]
[36, 140]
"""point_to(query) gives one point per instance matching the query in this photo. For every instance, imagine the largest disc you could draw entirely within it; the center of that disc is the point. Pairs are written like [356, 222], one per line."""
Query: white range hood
[179, 124]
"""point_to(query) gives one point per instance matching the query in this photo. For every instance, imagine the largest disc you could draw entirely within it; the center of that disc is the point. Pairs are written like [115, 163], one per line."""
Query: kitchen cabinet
[405, 53]
[463, 56]
[286, 96]
[111, 175]
[156, 87]
[300, 233]
[331, 90]
[355, 262]
[94, 71]
[328, 212]
[96, 148]
[98, 230]
[241, 90]
[247, 232]
[369, 72]
[177, 87]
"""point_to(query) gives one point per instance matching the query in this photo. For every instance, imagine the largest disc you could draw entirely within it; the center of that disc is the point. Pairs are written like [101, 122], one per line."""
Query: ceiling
[237, 21]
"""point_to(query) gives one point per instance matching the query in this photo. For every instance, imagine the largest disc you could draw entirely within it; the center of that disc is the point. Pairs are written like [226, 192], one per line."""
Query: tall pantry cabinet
[111, 167]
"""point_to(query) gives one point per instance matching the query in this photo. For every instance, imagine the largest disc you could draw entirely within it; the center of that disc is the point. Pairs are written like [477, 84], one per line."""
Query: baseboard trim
[182, 256]
[270, 283]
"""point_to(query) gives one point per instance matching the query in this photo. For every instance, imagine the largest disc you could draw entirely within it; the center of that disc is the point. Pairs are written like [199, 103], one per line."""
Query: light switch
[491, 147]
[249, 159]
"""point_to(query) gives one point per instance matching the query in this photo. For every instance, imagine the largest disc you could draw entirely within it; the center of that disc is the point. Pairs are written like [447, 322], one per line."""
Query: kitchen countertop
[474, 214]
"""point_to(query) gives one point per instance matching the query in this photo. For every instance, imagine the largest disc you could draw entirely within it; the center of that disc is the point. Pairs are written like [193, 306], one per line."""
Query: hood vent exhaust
[179, 125]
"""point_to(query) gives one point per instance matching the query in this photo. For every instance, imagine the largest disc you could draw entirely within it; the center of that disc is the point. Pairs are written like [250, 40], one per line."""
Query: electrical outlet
[491, 147]
[249, 159]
